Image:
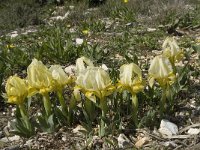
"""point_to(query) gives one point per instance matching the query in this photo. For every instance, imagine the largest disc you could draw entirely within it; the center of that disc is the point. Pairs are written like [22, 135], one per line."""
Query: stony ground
[186, 118]
[186, 115]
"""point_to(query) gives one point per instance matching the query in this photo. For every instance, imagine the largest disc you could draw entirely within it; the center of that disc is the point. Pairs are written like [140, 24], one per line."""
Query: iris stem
[102, 128]
[62, 103]
[162, 102]
[103, 106]
[47, 104]
[24, 115]
[135, 109]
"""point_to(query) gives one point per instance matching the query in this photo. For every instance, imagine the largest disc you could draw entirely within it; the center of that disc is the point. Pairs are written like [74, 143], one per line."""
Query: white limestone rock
[168, 128]
[193, 131]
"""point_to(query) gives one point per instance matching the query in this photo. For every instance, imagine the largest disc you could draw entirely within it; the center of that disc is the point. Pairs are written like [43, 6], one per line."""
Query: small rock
[169, 144]
[141, 142]
[95, 143]
[157, 52]
[72, 30]
[13, 34]
[193, 131]
[129, 24]
[64, 138]
[79, 41]
[42, 139]
[151, 29]
[10, 139]
[123, 141]
[13, 112]
[14, 138]
[155, 131]
[29, 143]
[168, 128]
[4, 140]
[78, 129]
[70, 69]
[119, 57]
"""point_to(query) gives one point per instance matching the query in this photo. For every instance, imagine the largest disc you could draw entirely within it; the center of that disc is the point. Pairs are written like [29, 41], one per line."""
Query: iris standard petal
[16, 90]
[131, 78]
[161, 70]
[39, 77]
[59, 76]
[171, 50]
[82, 63]
[94, 81]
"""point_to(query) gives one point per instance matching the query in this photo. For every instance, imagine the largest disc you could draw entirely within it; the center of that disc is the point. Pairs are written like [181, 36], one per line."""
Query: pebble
[70, 69]
[10, 139]
[193, 131]
[42, 139]
[151, 29]
[79, 41]
[64, 138]
[129, 24]
[141, 142]
[77, 129]
[169, 144]
[29, 143]
[168, 128]
[123, 141]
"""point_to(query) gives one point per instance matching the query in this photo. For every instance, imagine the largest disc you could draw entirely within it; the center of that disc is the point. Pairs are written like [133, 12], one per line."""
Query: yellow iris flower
[60, 77]
[93, 82]
[39, 78]
[171, 50]
[161, 70]
[82, 63]
[131, 78]
[16, 89]
[125, 1]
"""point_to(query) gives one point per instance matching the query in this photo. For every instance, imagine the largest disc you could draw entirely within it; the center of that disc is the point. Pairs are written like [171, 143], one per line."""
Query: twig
[178, 147]
[177, 137]
[156, 137]
[180, 142]
[188, 127]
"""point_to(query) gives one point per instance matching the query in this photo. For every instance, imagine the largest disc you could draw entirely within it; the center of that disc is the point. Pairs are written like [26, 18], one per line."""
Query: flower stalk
[135, 109]
[62, 103]
[104, 109]
[47, 104]
[162, 102]
[24, 115]
[63, 106]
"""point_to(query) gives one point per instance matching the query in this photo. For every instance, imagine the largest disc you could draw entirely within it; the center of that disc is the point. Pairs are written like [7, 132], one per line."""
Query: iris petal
[130, 78]
[161, 70]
